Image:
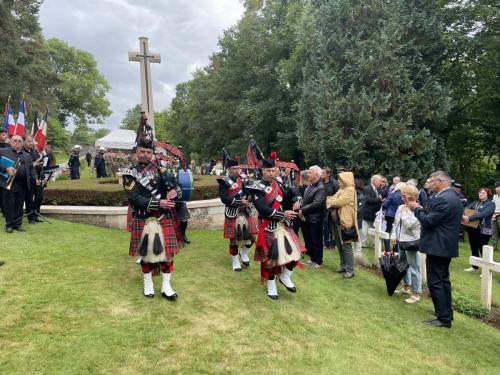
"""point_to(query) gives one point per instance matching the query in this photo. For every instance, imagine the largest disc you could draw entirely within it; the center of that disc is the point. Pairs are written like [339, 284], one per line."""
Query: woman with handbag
[345, 221]
[480, 236]
[406, 238]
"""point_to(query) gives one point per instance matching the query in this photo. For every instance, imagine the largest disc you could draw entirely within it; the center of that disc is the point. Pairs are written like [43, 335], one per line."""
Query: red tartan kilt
[230, 226]
[266, 237]
[172, 235]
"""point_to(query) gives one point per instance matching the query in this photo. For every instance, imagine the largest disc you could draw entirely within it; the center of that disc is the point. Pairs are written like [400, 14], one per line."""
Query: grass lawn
[71, 303]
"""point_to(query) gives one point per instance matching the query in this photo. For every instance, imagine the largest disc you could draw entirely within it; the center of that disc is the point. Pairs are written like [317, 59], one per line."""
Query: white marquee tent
[121, 139]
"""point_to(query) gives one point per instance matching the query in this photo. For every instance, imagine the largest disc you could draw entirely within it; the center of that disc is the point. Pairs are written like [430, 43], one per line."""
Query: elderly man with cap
[74, 162]
[100, 163]
[277, 247]
[240, 226]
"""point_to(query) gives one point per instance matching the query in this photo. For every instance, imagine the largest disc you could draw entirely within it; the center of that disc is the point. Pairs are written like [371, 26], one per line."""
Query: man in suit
[439, 240]
[13, 198]
[373, 202]
[312, 210]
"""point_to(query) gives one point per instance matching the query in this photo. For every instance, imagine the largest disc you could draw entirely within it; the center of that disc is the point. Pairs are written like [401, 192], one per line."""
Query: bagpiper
[277, 247]
[240, 225]
[155, 233]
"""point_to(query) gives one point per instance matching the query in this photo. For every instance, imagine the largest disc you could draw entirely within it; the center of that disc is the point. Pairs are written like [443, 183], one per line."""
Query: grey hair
[412, 181]
[316, 169]
[442, 176]
[376, 177]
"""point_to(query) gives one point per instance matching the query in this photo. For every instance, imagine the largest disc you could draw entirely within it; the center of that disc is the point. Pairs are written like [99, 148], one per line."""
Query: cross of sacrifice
[144, 57]
[488, 267]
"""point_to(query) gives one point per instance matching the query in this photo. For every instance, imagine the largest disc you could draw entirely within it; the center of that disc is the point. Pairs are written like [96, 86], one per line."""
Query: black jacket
[373, 202]
[441, 225]
[313, 202]
[26, 164]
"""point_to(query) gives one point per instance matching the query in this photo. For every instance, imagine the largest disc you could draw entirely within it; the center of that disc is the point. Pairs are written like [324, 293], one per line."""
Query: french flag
[40, 137]
[20, 127]
[34, 128]
[9, 124]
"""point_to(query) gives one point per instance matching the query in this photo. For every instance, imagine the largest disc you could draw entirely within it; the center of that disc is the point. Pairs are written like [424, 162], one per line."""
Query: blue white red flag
[9, 124]
[34, 128]
[20, 126]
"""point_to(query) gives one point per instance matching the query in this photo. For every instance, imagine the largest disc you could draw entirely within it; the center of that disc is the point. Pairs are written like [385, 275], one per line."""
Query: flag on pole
[9, 124]
[34, 128]
[40, 137]
[20, 127]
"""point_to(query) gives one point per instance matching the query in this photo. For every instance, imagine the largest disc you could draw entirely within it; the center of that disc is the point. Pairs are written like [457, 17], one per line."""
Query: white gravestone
[144, 57]
[488, 267]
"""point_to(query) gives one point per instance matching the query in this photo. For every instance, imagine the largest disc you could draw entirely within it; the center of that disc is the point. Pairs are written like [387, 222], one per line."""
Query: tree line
[389, 86]
[51, 75]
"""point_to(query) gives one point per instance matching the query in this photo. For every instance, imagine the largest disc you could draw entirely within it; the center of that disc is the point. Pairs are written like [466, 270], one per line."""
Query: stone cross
[379, 236]
[144, 57]
[488, 267]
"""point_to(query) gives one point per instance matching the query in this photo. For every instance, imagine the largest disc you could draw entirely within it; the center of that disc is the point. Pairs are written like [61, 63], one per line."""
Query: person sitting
[479, 236]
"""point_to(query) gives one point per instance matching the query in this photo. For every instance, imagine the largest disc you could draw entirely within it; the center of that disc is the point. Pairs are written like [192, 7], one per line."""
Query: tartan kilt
[172, 235]
[265, 241]
[230, 226]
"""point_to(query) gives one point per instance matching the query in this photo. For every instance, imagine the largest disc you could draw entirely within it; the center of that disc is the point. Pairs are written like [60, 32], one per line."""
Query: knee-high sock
[233, 249]
[183, 225]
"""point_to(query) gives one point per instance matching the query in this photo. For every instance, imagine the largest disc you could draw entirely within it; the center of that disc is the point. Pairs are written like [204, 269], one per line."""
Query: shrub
[74, 197]
[468, 305]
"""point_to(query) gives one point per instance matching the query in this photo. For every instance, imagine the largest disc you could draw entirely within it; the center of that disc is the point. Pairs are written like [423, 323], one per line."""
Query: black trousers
[13, 201]
[438, 282]
[1, 201]
[390, 222]
[477, 241]
[29, 202]
[38, 197]
[313, 237]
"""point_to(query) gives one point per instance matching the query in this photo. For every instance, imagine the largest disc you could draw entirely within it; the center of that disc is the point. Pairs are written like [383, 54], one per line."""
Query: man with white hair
[13, 197]
[312, 211]
[373, 203]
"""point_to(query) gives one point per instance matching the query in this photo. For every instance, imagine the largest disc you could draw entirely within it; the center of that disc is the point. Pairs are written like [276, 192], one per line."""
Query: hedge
[74, 197]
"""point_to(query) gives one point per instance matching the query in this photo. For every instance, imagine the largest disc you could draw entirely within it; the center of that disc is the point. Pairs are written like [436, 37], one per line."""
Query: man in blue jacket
[439, 240]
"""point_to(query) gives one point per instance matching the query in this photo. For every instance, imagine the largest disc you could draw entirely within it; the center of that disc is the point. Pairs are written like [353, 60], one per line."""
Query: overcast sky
[184, 32]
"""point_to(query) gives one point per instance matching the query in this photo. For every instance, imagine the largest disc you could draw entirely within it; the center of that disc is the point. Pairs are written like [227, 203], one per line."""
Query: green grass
[71, 303]
[465, 282]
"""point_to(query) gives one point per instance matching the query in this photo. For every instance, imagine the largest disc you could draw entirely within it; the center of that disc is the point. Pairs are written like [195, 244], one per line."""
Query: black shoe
[437, 323]
[291, 290]
[33, 221]
[20, 229]
[246, 264]
[1, 263]
[237, 269]
[340, 270]
[38, 220]
[433, 313]
[9, 229]
[173, 297]
[186, 240]
[149, 295]
[272, 297]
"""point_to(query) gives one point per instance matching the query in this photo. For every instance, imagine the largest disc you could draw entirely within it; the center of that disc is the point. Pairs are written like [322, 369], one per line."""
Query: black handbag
[348, 234]
[410, 245]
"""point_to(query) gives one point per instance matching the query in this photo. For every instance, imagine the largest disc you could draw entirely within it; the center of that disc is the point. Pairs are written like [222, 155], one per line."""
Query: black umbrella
[394, 270]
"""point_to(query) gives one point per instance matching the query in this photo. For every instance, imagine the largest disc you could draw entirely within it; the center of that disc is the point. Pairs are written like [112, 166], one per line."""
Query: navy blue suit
[439, 240]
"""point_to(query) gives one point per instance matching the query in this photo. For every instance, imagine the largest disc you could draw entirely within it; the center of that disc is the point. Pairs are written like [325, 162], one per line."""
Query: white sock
[271, 288]
[286, 277]
[165, 286]
[244, 254]
[148, 284]
[236, 262]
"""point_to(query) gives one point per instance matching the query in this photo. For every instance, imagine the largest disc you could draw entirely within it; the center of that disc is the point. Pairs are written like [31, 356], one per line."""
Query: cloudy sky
[184, 32]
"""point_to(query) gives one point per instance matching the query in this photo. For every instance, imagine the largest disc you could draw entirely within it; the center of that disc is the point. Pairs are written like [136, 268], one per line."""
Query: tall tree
[82, 92]
[371, 94]
[132, 117]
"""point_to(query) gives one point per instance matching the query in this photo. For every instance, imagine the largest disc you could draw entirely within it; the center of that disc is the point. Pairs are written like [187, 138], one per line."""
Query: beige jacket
[346, 201]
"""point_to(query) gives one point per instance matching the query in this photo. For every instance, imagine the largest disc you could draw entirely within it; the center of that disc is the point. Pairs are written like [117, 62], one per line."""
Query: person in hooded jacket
[345, 221]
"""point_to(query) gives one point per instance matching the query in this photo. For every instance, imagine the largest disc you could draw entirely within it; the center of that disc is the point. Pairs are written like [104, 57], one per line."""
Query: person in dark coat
[331, 186]
[373, 202]
[312, 209]
[4, 136]
[74, 163]
[13, 198]
[100, 163]
[424, 195]
[88, 157]
[480, 236]
[439, 240]
[29, 199]
[390, 205]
